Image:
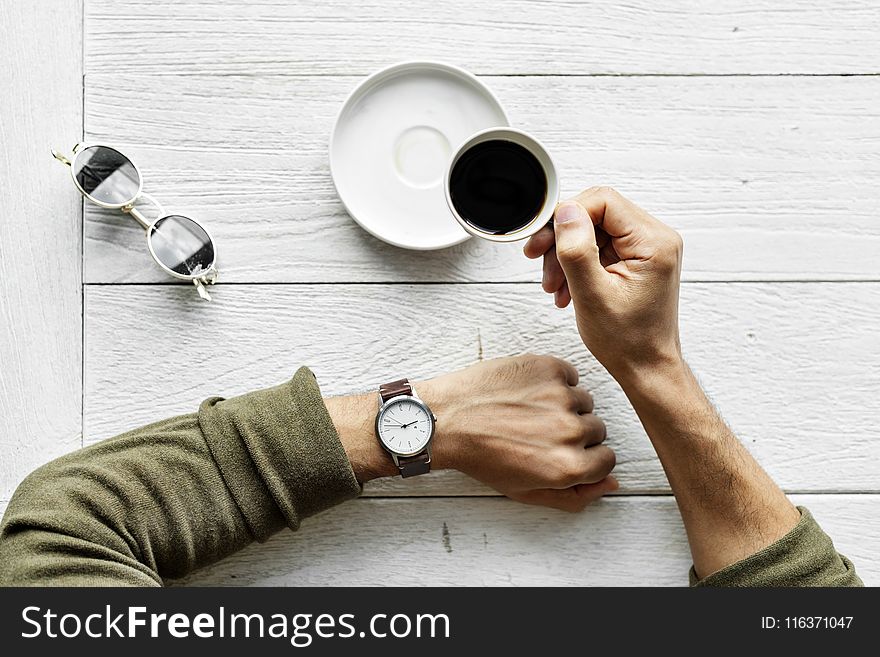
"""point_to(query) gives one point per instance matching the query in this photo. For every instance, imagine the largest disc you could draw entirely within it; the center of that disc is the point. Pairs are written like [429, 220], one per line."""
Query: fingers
[562, 297]
[607, 254]
[582, 400]
[573, 499]
[579, 429]
[575, 465]
[634, 233]
[614, 213]
[571, 374]
[576, 249]
[553, 277]
[598, 462]
[595, 431]
[539, 243]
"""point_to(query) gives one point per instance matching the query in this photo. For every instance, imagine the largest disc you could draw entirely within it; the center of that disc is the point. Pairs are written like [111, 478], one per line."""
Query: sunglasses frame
[208, 277]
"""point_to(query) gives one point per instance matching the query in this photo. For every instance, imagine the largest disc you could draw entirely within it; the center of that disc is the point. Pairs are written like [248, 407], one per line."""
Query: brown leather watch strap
[409, 466]
[414, 465]
[394, 389]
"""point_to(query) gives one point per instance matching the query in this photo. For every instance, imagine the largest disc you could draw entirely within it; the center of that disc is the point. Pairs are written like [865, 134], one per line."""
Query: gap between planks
[622, 494]
[220, 74]
[688, 281]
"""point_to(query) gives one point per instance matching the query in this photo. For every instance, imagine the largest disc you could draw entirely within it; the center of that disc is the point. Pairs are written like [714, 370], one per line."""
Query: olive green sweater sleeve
[805, 556]
[163, 500]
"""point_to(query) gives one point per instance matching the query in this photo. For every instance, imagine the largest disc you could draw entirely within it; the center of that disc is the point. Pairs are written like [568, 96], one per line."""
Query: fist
[524, 427]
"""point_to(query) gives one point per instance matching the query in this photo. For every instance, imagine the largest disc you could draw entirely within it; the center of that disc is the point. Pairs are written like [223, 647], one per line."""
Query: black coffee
[498, 186]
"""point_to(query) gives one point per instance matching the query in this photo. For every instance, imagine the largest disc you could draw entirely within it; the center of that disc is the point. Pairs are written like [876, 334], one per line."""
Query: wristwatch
[404, 427]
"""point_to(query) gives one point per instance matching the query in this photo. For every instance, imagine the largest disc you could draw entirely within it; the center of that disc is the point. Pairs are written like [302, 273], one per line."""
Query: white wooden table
[751, 127]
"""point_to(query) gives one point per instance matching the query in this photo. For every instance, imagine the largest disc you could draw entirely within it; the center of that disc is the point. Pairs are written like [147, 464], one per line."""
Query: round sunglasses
[181, 246]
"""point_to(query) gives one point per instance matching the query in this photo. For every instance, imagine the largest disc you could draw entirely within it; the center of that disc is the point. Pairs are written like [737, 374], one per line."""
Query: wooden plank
[40, 237]
[795, 367]
[766, 178]
[618, 541]
[518, 36]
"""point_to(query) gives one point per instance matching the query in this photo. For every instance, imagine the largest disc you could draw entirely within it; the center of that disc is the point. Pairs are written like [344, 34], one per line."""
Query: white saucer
[392, 142]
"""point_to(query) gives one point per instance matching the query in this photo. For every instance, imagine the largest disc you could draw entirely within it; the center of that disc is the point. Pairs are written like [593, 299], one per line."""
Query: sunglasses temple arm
[60, 157]
[201, 289]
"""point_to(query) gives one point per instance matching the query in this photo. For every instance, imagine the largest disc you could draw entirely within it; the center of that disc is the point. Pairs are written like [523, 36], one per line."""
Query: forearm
[354, 417]
[730, 507]
[163, 500]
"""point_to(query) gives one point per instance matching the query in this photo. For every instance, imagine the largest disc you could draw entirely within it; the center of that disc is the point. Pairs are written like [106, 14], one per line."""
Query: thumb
[576, 248]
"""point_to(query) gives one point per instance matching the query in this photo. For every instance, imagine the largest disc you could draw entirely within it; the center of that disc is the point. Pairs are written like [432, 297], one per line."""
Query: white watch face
[404, 426]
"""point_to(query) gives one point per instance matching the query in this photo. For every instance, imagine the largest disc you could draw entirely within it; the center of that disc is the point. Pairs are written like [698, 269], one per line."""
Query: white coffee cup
[551, 198]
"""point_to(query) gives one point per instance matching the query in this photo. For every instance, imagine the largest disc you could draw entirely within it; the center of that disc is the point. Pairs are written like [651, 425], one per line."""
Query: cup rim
[537, 149]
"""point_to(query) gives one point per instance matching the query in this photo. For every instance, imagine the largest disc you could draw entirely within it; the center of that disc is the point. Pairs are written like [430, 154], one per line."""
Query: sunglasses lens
[182, 245]
[106, 175]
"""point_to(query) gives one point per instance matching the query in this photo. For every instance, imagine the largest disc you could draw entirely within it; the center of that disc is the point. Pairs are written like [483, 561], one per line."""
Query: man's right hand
[621, 267]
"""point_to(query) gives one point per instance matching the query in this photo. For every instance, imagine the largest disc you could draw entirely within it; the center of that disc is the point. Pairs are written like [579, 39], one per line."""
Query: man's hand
[524, 427]
[520, 425]
[621, 267]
